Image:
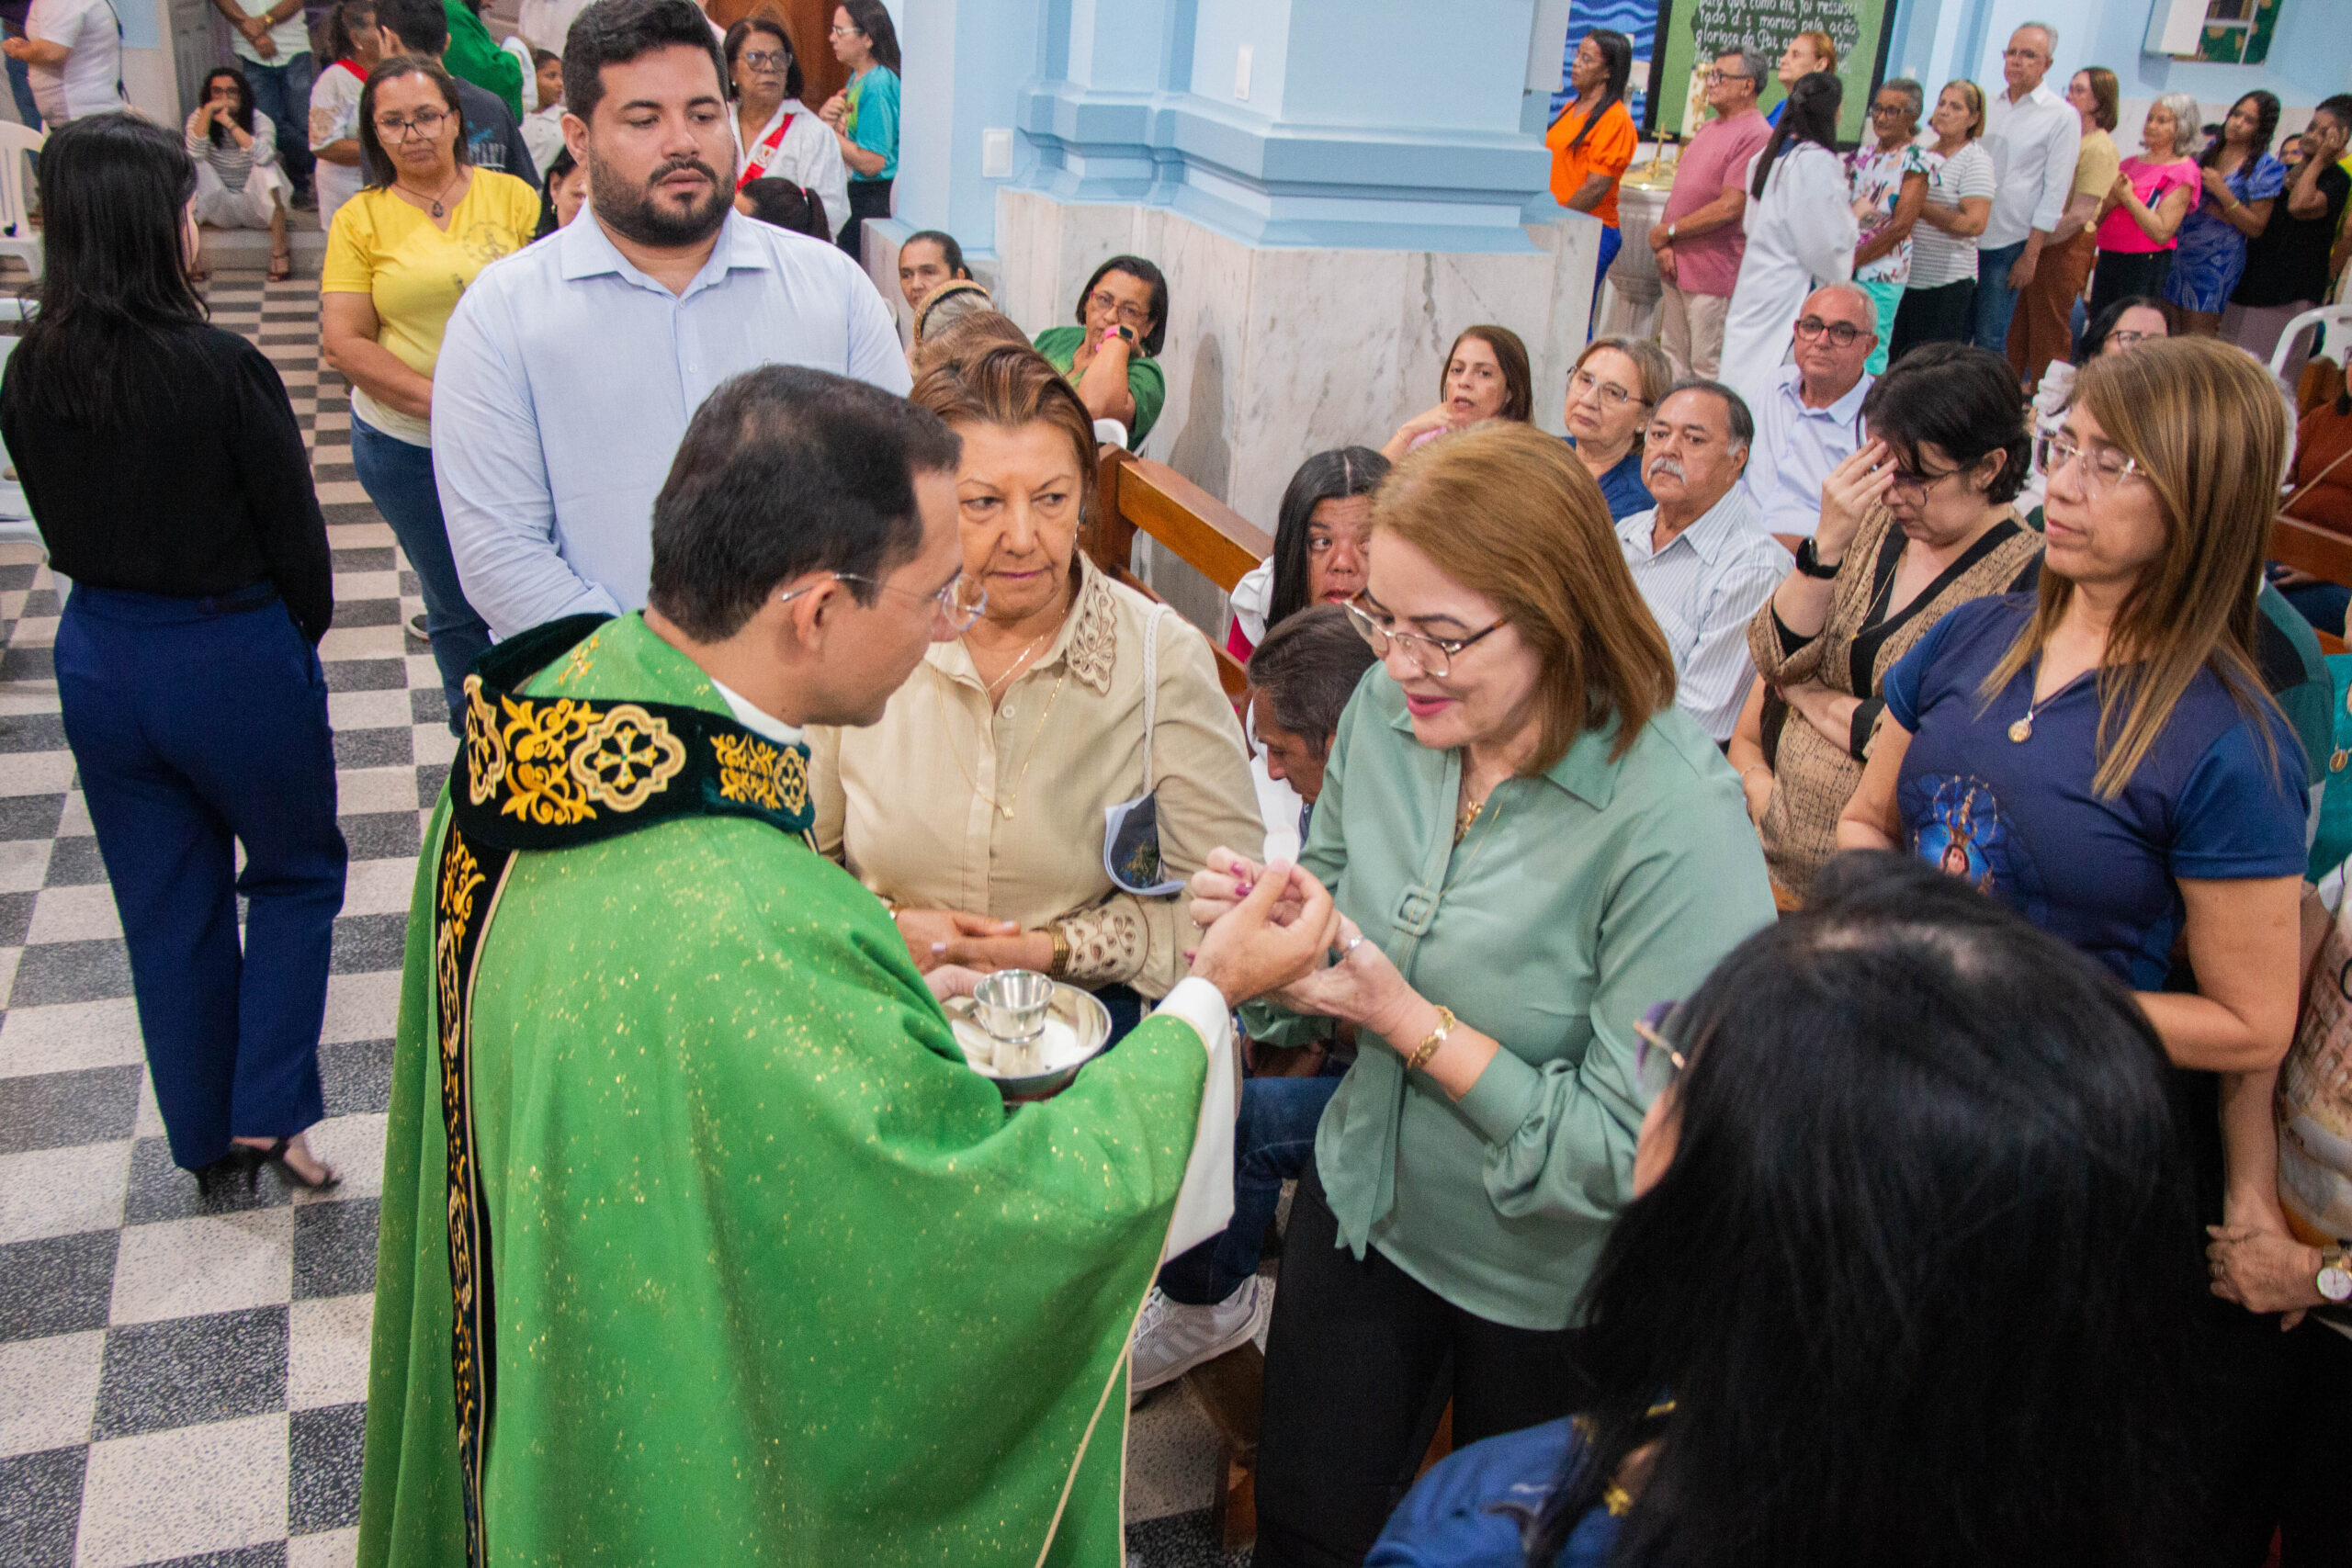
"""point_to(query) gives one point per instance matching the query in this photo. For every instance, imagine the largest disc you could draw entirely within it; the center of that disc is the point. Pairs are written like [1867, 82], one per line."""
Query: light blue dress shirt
[565, 382]
[1701, 588]
[1795, 448]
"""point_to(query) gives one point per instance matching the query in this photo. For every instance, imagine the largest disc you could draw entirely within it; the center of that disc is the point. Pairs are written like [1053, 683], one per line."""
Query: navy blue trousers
[196, 730]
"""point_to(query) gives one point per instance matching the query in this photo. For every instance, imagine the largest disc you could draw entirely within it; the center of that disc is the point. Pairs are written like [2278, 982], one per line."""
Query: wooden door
[809, 23]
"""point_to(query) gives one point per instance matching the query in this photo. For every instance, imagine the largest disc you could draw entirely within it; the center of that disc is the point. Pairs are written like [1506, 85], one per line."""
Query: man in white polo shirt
[73, 50]
[2034, 136]
[571, 368]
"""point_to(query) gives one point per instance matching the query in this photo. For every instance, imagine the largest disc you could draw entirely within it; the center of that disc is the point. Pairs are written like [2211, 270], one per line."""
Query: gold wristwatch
[2334, 1279]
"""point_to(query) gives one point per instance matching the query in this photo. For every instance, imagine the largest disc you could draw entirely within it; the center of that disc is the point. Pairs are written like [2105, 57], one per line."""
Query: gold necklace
[1018, 659]
[1467, 815]
[1002, 807]
[1491, 831]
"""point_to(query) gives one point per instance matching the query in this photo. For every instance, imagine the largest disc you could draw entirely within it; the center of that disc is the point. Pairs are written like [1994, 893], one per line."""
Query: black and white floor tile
[182, 1379]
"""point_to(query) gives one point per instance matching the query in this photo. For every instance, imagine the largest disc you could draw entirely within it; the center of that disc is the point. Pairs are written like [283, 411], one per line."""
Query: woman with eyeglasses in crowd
[2103, 757]
[238, 182]
[399, 255]
[1901, 1281]
[776, 137]
[1534, 846]
[1615, 387]
[1110, 356]
[865, 115]
[1918, 521]
[1889, 184]
[1035, 794]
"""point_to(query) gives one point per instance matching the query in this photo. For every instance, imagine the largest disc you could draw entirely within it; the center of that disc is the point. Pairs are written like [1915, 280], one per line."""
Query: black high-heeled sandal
[275, 1157]
[226, 1172]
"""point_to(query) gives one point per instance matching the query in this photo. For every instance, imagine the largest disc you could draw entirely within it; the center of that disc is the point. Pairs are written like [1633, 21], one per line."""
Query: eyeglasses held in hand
[1842, 334]
[424, 122]
[2103, 468]
[1615, 396]
[1430, 655]
[960, 604]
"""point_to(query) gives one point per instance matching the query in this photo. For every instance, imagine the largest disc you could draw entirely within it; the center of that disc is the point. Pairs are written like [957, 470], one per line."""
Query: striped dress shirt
[1703, 588]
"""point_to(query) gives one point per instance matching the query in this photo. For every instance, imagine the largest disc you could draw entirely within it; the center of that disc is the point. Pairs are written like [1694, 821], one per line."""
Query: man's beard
[633, 212]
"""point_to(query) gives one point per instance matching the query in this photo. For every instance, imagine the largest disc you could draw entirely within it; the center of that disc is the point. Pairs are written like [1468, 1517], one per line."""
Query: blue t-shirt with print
[2020, 820]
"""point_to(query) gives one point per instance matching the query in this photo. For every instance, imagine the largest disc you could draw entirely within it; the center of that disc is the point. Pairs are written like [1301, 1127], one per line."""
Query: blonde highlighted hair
[2209, 431]
[1507, 512]
[1012, 386]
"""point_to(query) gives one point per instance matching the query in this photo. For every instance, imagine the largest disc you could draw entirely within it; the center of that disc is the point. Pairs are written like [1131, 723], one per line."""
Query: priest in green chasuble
[702, 1245]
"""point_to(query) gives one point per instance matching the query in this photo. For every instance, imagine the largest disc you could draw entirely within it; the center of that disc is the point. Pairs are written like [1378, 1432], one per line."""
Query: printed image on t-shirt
[1962, 833]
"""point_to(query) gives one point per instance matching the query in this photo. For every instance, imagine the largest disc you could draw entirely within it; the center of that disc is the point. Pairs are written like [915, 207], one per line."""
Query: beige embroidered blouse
[905, 802]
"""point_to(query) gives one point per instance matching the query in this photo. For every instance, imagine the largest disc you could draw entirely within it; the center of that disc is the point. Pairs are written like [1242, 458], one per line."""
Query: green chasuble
[762, 1272]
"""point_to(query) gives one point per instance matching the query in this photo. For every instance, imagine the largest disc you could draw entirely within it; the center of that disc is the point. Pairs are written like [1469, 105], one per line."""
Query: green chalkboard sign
[1690, 31]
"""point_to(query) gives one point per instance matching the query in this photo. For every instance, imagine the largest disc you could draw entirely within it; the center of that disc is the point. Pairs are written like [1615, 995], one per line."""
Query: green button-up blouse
[1579, 897]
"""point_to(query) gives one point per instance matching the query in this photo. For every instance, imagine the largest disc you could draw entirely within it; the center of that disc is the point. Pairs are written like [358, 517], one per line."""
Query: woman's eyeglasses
[1430, 655]
[959, 604]
[1134, 317]
[1657, 1061]
[765, 59]
[424, 122]
[2103, 468]
[1615, 396]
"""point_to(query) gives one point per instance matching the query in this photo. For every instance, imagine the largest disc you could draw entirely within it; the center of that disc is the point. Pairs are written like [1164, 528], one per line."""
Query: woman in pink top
[2141, 218]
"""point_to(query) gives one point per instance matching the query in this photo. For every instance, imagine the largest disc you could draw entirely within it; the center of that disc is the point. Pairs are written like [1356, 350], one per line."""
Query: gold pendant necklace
[2021, 730]
[1002, 807]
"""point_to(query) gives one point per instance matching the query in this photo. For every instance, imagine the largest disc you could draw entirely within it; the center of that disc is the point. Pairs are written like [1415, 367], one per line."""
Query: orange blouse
[1608, 151]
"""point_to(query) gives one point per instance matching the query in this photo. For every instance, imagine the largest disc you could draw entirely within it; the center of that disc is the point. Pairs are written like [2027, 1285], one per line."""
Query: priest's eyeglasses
[959, 604]
[1430, 655]
[2104, 467]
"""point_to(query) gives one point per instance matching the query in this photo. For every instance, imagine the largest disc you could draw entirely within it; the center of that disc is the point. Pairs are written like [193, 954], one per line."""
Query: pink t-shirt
[1708, 262]
[2117, 231]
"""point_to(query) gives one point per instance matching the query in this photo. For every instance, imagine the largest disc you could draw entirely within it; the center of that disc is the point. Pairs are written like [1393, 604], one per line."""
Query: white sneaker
[1172, 1338]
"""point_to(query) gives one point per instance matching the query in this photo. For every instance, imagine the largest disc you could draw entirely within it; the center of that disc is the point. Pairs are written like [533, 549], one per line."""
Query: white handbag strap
[1150, 685]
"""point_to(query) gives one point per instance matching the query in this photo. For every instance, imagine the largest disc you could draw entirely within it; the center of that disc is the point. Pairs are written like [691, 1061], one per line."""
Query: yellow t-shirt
[388, 250]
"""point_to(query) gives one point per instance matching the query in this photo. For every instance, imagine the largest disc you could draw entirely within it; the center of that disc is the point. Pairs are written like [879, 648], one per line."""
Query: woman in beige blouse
[976, 806]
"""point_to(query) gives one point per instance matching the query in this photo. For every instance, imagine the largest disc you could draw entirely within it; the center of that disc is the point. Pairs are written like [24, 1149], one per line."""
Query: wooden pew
[1135, 495]
[2322, 552]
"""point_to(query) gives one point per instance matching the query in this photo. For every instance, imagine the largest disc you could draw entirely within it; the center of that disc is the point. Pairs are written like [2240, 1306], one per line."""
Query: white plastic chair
[2337, 318]
[17, 236]
[1111, 433]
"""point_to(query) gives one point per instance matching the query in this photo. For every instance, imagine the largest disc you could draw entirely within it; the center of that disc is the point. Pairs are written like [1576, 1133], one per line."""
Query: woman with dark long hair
[2242, 181]
[776, 136]
[398, 255]
[238, 182]
[1801, 230]
[1904, 1280]
[1320, 532]
[1592, 142]
[170, 483]
[865, 115]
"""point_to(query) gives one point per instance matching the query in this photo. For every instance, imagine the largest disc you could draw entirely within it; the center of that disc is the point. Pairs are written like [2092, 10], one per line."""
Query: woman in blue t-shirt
[865, 115]
[2101, 755]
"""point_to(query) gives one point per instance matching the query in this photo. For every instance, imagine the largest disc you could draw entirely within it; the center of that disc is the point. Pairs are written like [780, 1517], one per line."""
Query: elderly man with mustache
[570, 371]
[1701, 555]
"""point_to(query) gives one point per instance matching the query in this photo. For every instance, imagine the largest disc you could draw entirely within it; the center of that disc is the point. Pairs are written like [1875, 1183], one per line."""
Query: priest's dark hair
[1925, 1167]
[786, 470]
[613, 32]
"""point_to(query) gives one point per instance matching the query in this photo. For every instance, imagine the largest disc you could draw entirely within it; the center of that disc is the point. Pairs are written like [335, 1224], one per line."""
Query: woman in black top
[2285, 264]
[168, 478]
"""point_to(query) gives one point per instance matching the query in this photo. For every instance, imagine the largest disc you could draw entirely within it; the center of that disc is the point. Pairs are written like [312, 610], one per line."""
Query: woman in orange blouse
[1593, 142]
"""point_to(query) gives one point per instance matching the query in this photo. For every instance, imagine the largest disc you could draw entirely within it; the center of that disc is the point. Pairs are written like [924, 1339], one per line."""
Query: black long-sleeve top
[210, 492]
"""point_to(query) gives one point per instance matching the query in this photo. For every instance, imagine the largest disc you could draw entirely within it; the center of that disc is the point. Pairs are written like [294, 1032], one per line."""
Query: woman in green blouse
[1535, 847]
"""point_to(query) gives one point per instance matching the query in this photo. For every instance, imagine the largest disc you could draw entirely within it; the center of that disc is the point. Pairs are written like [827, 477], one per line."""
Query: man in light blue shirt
[1702, 559]
[1806, 421]
[570, 369]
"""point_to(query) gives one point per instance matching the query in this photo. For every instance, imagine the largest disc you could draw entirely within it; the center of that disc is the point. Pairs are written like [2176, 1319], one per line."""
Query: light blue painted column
[966, 62]
[1315, 123]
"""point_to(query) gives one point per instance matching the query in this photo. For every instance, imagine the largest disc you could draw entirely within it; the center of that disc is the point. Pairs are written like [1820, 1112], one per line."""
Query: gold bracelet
[1058, 967]
[1428, 1048]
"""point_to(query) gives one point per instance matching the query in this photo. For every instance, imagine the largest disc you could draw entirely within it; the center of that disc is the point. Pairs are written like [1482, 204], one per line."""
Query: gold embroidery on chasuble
[750, 769]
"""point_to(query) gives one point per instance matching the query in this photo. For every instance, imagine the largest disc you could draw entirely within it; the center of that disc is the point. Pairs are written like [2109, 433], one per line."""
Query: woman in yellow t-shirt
[397, 257]
[1592, 142]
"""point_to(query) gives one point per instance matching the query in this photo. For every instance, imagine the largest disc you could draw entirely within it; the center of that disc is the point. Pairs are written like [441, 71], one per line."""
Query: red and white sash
[755, 163]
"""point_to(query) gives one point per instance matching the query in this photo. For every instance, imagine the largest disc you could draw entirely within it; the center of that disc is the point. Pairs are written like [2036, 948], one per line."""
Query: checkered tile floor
[181, 1378]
